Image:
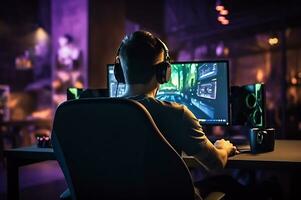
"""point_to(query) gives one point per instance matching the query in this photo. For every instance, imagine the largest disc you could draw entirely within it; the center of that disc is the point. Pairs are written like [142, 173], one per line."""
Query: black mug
[262, 140]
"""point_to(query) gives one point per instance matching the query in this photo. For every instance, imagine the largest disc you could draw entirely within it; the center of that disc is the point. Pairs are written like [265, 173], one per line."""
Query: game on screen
[201, 86]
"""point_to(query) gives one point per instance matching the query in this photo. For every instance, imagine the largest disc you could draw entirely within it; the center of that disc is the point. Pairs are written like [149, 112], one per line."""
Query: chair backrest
[110, 148]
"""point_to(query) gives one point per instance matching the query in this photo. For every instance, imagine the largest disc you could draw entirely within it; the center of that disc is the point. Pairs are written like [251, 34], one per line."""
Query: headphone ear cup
[163, 72]
[168, 72]
[118, 72]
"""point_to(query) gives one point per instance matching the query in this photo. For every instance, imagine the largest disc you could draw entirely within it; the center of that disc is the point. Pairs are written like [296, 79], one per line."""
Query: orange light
[225, 22]
[219, 7]
[41, 35]
[273, 41]
[259, 75]
[224, 12]
[56, 84]
[42, 114]
[79, 84]
[294, 81]
[226, 51]
[221, 18]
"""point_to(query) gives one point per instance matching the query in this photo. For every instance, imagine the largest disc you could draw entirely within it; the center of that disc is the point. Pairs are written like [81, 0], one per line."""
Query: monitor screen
[112, 83]
[80, 93]
[202, 86]
[74, 93]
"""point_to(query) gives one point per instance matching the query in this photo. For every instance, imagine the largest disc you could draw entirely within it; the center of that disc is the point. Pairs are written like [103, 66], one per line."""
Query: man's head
[143, 57]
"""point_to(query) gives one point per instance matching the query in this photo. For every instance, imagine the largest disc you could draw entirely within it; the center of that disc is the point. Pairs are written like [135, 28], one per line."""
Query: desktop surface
[285, 156]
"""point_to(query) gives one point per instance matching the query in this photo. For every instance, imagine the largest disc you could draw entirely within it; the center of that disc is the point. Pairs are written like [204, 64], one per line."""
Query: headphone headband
[162, 44]
[165, 49]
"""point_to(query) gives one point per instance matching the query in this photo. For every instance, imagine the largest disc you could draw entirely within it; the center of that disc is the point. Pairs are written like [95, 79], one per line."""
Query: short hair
[138, 52]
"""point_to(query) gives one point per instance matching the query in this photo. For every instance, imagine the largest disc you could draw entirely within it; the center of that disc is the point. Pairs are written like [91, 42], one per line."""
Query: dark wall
[148, 14]
[107, 25]
[17, 20]
[106, 30]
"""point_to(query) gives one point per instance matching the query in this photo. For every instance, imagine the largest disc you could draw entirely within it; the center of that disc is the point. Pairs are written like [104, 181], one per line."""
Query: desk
[285, 156]
[15, 126]
[19, 157]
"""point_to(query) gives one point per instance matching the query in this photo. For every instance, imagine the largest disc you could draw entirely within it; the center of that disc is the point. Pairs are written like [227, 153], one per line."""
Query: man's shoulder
[173, 109]
[167, 104]
[165, 108]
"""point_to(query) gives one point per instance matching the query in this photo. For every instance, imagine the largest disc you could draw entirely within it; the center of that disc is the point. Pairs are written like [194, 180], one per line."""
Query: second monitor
[202, 86]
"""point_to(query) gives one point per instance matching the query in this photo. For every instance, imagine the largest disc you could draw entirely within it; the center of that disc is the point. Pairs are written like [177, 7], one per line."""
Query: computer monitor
[112, 83]
[74, 93]
[202, 86]
[80, 93]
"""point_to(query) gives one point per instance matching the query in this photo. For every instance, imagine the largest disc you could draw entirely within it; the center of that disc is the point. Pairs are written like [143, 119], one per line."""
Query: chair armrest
[66, 195]
[215, 196]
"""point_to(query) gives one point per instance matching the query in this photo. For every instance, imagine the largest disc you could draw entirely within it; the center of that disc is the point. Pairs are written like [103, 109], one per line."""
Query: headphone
[163, 69]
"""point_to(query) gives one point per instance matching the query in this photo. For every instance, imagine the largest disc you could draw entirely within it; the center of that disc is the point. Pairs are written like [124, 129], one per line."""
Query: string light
[222, 12]
[225, 22]
[221, 18]
[219, 6]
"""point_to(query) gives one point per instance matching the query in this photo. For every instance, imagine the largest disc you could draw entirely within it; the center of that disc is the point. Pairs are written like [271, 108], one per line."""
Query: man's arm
[195, 143]
[215, 156]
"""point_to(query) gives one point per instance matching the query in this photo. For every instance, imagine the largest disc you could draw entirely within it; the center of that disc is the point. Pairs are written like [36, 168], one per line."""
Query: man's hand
[227, 146]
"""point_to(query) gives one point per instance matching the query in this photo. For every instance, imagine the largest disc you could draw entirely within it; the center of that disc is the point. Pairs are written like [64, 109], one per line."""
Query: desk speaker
[248, 105]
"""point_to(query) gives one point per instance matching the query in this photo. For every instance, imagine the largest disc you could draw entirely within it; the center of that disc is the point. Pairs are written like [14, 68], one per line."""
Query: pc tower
[248, 105]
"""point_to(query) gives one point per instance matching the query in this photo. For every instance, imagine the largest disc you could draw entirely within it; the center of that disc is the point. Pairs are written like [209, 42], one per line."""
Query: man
[139, 57]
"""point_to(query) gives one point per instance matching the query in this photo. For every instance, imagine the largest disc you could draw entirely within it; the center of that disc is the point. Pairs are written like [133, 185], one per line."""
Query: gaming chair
[110, 148]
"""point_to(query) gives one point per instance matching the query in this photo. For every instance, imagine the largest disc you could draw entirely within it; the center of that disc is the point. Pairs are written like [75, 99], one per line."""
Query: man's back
[178, 125]
[143, 63]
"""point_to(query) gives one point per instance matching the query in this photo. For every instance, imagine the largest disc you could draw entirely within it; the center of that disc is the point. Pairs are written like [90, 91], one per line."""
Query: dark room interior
[235, 66]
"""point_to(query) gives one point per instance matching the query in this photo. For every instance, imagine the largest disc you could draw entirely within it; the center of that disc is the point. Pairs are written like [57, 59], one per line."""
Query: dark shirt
[177, 124]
